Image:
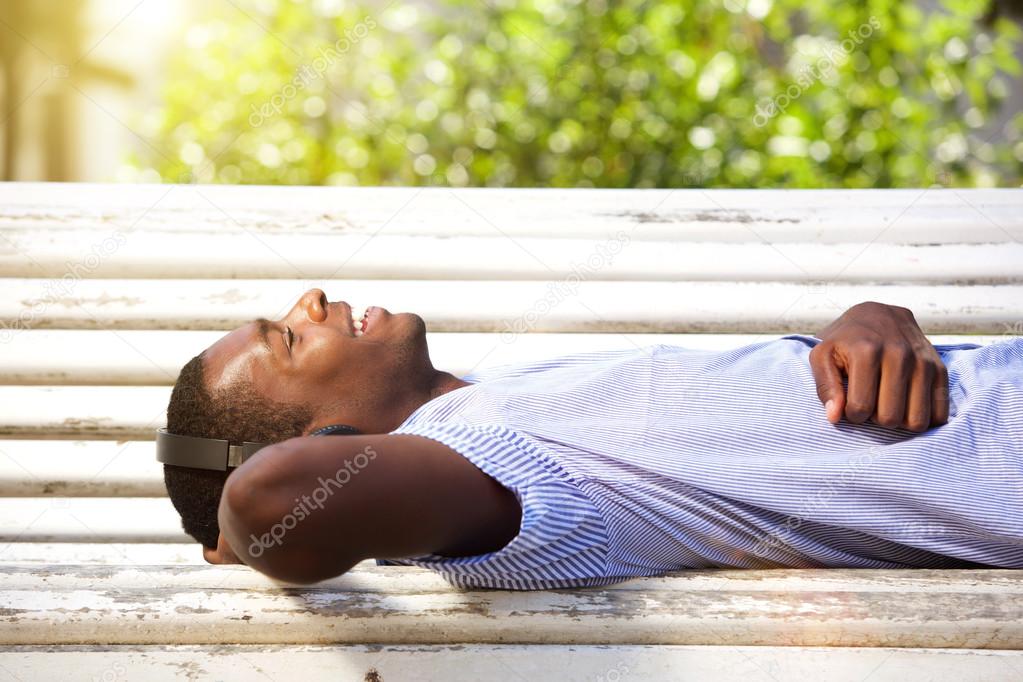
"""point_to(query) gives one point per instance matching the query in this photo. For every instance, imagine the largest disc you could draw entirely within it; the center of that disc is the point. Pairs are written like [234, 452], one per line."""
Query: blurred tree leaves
[719, 93]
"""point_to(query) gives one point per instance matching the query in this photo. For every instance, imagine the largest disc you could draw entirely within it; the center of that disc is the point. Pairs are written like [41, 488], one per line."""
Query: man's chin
[413, 331]
[406, 329]
[410, 324]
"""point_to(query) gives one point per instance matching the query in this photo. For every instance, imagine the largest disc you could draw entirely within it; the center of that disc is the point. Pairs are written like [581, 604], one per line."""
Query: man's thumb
[830, 388]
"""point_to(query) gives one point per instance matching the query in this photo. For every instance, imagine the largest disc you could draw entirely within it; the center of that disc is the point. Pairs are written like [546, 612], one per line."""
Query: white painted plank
[154, 357]
[38, 468]
[366, 577]
[89, 519]
[82, 412]
[105, 553]
[231, 252]
[121, 562]
[504, 307]
[777, 216]
[143, 605]
[471, 663]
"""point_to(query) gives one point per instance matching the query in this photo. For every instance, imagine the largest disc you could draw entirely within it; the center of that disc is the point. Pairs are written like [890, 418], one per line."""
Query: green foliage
[718, 93]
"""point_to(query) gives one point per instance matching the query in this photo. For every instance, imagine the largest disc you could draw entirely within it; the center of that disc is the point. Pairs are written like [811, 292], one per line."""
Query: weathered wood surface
[505, 307]
[911, 216]
[475, 662]
[154, 357]
[976, 609]
[621, 257]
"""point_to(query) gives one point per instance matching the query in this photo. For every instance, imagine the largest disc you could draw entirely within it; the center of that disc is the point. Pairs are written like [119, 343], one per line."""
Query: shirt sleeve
[812, 341]
[562, 539]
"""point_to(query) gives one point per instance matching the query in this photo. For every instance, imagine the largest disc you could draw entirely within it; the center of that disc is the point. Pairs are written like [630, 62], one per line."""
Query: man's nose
[312, 306]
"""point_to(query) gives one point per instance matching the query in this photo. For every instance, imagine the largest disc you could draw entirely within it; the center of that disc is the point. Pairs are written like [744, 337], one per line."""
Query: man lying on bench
[591, 468]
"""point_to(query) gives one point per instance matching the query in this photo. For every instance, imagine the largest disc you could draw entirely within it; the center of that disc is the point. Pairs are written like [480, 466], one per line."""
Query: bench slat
[144, 605]
[122, 561]
[90, 519]
[82, 412]
[37, 468]
[130, 553]
[505, 307]
[589, 663]
[232, 253]
[154, 357]
[910, 216]
[366, 577]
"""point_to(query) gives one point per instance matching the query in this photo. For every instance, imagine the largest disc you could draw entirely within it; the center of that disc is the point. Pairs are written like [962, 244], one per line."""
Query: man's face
[313, 355]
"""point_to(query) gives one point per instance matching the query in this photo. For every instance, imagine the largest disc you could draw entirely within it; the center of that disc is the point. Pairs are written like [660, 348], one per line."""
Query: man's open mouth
[361, 322]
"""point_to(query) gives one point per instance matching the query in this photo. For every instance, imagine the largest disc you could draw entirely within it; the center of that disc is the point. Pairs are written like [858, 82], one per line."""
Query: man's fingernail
[828, 405]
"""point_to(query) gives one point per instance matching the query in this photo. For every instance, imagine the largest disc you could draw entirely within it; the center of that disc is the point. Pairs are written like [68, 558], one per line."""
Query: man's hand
[896, 377]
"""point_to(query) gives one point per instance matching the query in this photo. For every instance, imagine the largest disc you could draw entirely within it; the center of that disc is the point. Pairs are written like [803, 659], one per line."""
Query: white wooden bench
[105, 291]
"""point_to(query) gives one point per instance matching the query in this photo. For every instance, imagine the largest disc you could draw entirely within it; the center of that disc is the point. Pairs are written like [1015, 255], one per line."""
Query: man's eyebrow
[264, 325]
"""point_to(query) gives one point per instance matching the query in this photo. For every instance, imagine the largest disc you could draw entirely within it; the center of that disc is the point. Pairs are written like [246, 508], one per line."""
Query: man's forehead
[233, 355]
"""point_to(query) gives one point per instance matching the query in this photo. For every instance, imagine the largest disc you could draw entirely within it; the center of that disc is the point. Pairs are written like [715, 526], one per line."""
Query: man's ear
[223, 554]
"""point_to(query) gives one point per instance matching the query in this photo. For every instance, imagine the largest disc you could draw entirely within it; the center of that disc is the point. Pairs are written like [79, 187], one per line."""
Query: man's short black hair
[236, 414]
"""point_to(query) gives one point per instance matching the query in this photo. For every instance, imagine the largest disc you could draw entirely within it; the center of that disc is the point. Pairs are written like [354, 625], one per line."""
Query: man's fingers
[896, 370]
[921, 393]
[828, 378]
[863, 367]
[939, 396]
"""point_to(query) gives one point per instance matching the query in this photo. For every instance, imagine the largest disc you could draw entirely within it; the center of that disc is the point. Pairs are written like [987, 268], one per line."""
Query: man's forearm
[310, 508]
[273, 530]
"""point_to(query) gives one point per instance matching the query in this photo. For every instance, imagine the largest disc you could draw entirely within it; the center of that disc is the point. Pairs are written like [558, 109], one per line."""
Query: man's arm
[310, 508]
[896, 377]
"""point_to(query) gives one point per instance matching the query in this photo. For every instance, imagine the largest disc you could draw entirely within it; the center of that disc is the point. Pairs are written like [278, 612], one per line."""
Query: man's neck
[438, 384]
[446, 382]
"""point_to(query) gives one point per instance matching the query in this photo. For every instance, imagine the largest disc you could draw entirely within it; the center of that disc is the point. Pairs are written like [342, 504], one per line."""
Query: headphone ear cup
[336, 430]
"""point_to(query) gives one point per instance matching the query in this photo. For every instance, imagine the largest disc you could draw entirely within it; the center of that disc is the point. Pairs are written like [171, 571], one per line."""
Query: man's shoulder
[548, 363]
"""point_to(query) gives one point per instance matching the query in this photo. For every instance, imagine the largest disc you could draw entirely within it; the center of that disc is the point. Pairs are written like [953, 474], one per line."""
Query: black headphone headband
[336, 430]
[217, 454]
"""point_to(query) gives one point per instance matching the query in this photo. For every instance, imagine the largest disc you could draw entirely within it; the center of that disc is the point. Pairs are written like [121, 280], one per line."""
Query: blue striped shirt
[640, 461]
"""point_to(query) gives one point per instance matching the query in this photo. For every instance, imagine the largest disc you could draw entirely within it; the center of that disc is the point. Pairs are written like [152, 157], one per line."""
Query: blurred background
[587, 93]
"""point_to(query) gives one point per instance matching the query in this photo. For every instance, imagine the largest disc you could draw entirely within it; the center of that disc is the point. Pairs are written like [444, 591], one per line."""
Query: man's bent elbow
[265, 536]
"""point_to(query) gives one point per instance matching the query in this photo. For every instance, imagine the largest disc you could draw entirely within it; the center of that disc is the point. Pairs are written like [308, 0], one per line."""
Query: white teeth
[357, 315]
